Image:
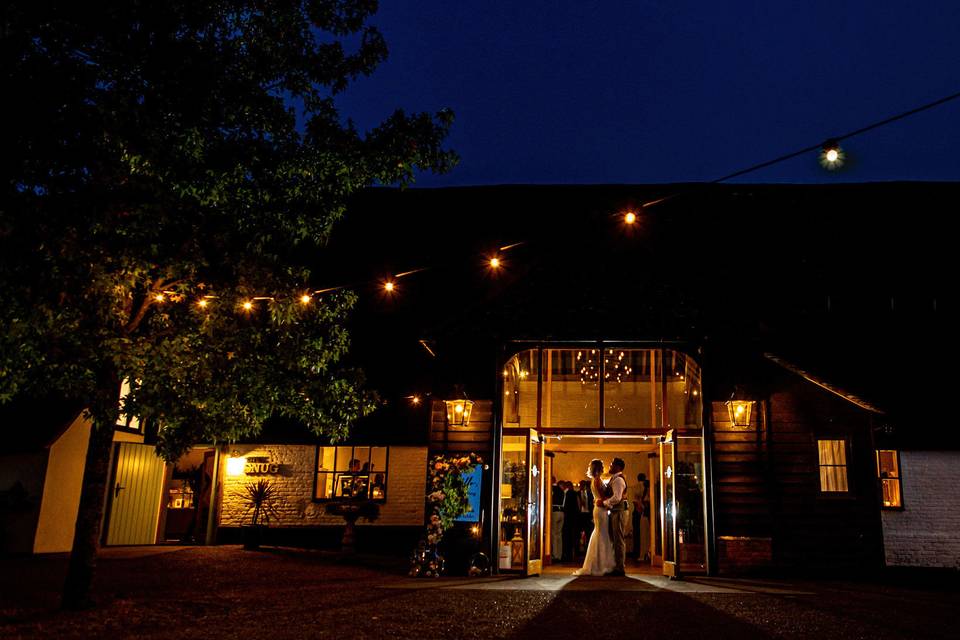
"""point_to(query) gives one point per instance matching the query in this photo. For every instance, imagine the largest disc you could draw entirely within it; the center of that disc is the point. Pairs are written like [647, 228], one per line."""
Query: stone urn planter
[351, 511]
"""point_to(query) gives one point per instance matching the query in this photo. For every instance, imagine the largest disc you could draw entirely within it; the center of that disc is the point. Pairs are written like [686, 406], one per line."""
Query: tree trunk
[86, 536]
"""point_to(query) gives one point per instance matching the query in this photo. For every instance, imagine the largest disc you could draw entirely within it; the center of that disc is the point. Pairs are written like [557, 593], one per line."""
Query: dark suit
[571, 524]
[586, 518]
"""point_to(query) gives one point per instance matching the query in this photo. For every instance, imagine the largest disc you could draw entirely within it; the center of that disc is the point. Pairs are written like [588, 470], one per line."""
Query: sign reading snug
[261, 466]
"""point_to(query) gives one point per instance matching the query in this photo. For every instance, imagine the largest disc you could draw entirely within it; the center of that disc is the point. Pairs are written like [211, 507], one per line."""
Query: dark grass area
[225, 592]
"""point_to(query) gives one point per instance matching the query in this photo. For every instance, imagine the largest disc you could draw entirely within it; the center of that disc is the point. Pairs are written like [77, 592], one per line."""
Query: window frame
[337, 475]
[823, 493]
[898, 478]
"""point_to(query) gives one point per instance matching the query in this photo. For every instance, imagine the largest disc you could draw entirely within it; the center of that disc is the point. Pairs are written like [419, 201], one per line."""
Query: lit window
[833, 465]
[888, 469]
[127, 422]
[352, 473]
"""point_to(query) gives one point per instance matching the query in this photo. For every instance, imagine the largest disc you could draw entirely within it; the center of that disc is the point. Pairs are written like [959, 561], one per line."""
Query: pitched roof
[823, 384]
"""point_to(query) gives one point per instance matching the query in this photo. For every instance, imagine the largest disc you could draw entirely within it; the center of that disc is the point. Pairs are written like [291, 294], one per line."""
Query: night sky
[652, 92]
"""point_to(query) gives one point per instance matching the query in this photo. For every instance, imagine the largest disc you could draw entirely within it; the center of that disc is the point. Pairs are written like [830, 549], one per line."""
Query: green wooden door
[137, 490]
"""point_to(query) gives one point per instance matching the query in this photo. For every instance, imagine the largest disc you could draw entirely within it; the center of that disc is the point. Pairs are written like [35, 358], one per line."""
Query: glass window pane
[632, 394]
[362, 456]
[681, 376]
[378, 486]
[345, 459]
[513, 503]
[325, 460]
[689, 492]
[520, 390]
[378, 459]
[887, 464]
[891, 493]
[324, 486]
[571, 387]
[832, 456]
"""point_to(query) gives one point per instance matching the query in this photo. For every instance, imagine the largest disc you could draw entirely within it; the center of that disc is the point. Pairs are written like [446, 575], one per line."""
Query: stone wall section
[294, 480]
[926, 532]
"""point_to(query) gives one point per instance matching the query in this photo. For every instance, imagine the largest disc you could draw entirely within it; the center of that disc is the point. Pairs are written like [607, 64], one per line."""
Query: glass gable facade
[602, 387]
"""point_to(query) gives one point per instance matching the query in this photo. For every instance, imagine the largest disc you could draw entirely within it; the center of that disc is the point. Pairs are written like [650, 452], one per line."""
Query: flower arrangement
[447, 491]
[447, 500]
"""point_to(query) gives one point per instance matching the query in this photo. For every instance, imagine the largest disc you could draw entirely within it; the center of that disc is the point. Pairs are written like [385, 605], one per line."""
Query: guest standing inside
[585, 500]
[571, 521]
[641, 518]
[556, 521]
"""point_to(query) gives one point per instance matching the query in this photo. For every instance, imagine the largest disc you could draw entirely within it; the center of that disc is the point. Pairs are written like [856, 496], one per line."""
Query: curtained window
[833, 465]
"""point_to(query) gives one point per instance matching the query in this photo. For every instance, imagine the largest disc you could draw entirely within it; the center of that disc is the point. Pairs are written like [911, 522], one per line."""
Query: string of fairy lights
[830, 154]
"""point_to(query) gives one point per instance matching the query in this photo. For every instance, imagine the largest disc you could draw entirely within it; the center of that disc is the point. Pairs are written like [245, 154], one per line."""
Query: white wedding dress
[599, 559]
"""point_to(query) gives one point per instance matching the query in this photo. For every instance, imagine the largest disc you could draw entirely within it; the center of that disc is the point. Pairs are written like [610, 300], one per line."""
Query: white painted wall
[61, 489]
[926, 533]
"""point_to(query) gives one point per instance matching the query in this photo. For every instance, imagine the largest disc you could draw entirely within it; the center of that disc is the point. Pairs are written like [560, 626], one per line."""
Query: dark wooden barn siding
[767, 478]
[476, 437]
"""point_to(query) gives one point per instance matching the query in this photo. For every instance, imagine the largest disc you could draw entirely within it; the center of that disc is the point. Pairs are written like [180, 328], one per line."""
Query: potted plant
[351, 511]
[259, 501]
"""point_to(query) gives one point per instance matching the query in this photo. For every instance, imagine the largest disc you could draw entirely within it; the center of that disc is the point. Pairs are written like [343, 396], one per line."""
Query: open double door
[669, 470]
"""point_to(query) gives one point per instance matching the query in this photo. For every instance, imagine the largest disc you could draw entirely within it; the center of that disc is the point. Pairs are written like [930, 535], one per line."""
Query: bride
[599, 560]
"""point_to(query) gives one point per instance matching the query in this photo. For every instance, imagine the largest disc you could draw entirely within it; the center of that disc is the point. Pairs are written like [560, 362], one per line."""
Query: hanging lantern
[458, 412]
[739, 409]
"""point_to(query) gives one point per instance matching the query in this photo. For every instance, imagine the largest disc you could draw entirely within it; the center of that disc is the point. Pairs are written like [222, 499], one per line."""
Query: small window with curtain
[888, 469]
[352, 473]
[833, 466]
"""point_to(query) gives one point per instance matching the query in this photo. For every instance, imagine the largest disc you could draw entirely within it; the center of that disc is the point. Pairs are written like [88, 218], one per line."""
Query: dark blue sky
[646, 92]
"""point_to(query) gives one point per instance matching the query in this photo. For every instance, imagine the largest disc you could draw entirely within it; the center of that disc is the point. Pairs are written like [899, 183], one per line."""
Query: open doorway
[666, 523]
[569, 458]
[187, 498]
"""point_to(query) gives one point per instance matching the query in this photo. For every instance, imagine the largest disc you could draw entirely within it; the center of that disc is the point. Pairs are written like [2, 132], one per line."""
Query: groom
[618, 514]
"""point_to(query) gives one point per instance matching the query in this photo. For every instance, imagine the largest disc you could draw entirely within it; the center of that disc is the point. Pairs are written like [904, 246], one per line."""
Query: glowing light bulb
[159, 297]
[305, 299]
[415, 399]
[247, 305]
[630, 217]
[389, 286]
[495, 263]
[832, 155]
[202, 303]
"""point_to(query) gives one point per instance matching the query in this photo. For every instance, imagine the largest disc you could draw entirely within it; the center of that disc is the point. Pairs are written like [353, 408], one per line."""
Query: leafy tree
[162, 154]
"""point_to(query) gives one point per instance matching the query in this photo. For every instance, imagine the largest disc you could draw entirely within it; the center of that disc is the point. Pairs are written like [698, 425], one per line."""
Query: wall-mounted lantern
[458, 412]
[236, 464]
[740, 409]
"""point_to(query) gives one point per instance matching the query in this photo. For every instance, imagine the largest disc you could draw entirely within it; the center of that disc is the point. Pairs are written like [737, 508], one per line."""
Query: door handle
[117, 489]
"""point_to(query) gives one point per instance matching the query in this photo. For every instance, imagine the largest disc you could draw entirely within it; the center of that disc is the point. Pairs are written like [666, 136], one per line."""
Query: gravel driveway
[225, 592]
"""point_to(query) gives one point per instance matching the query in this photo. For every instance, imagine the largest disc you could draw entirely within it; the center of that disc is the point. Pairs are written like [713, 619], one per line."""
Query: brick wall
[406, 480]
[926, 533]
[738, 554]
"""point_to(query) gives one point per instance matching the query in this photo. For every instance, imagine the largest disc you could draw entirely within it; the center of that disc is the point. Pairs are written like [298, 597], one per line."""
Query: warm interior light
[389, 286]
[458, 408]
[202, 303]
[415, 399]
[630, 218]
[158, 297]
[247, 305]
[305, 299]
[495, 263]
